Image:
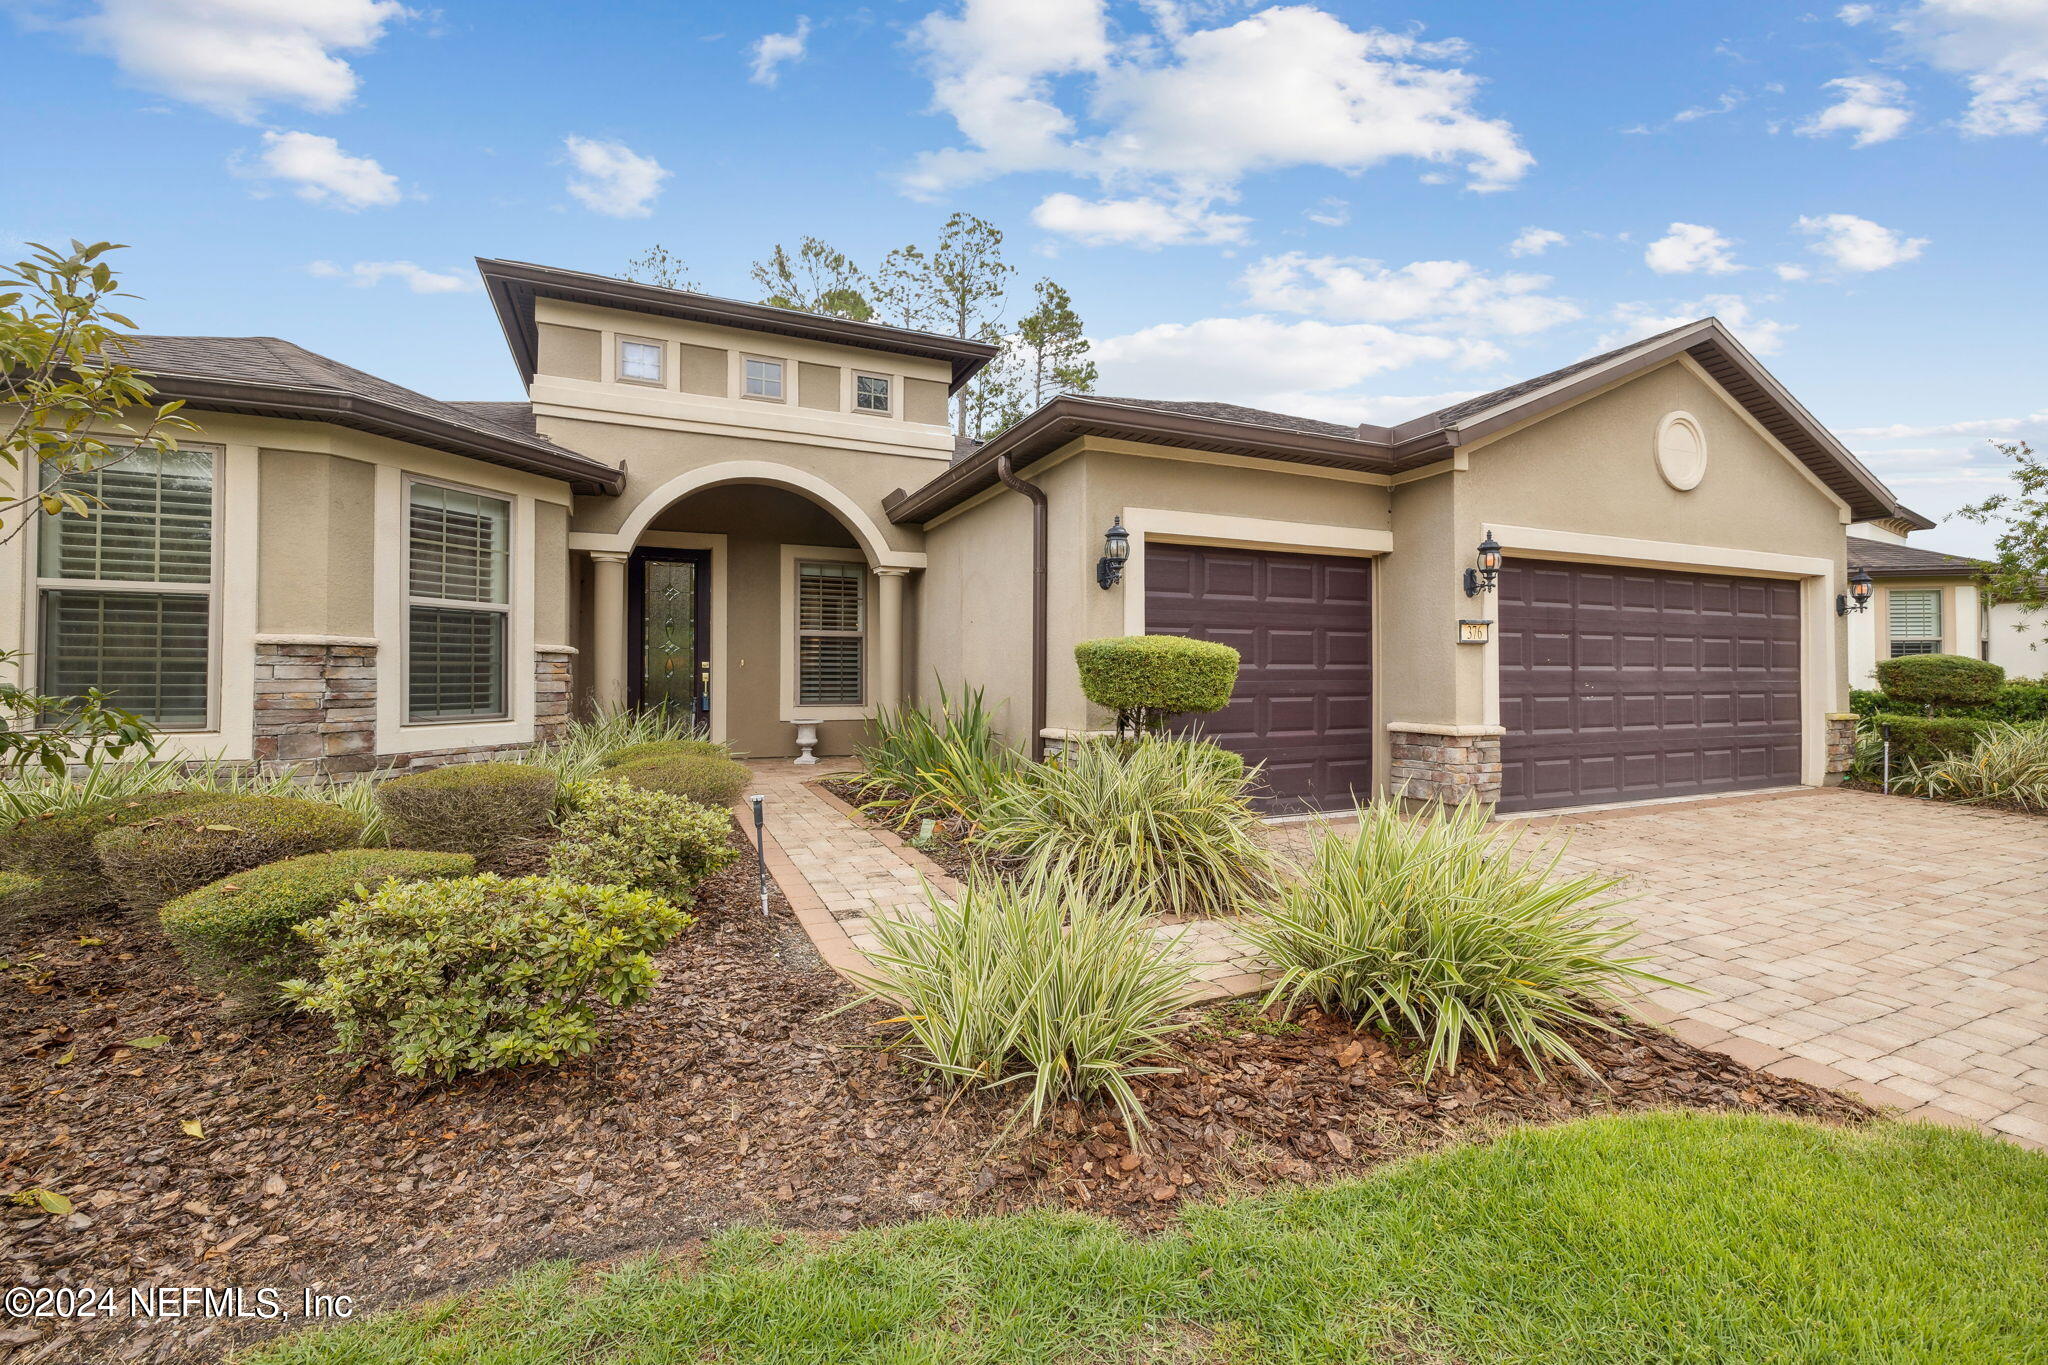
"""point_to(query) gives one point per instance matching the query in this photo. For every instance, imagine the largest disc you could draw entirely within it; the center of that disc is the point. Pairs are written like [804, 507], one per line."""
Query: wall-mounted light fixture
[1481, 579]
[1116, 548]
[1858, 596]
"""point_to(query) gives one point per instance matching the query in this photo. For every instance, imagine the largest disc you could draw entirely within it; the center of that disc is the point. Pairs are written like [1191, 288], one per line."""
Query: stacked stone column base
[1445, 763]
[1841, 743]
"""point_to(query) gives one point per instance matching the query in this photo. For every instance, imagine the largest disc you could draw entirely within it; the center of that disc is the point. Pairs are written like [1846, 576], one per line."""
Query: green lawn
[1671, 1237]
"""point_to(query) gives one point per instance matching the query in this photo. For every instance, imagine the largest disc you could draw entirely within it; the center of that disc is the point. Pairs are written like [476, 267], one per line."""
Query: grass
[1666, 1239]
[35, 794]
[937, 763]
[582, 747]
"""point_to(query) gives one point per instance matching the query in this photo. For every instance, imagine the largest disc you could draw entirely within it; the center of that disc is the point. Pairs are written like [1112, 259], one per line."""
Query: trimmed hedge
[665, 748]
[1150, 676]
[161, 859]
[1929, 739]
[1939, 679]
[625, 835]
[61, 845]
[707, 780]
[237, 934]
[2020, 703]
[475, 808]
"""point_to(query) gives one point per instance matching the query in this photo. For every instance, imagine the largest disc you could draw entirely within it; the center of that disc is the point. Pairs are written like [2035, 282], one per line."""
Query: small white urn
[806, 740]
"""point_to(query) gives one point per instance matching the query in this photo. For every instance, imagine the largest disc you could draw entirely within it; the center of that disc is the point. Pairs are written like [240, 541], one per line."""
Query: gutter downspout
[1038, 597]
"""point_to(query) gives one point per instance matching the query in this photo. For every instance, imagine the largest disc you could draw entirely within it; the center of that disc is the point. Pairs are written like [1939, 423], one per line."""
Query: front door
[671, 663]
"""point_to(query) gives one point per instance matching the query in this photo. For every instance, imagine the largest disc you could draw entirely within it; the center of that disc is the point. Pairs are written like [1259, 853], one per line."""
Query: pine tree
[1055, 353]
[818, 279]
[659, 266]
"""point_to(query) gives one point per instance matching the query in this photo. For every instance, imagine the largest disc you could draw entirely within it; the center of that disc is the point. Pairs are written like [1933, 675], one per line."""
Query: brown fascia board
[584, 475]
[513, 286]
[1968, 575]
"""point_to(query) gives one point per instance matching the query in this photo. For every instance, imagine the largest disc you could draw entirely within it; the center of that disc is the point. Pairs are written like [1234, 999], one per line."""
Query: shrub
[480, 972]
[62, 844]
[1928, 739]
[236, 935]
[581, 747]
[1434, 927]
[2008, 764]
[1145, 678]
[475, 808]
[709, 781]
[2018, 702]
[161, 859]
[101, 780]
[1036, 982]
[937, 765]
[620, 834]
[665, 748]
[1161, 820]
[1939, 680]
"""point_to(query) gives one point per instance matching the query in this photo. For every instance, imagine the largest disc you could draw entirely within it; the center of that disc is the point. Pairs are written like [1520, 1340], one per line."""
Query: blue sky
[1352, 211]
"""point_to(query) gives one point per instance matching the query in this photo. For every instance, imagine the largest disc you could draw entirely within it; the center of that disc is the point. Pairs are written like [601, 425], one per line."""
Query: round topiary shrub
[59, 847]
[480, 972]
[238, 936]
[1146, 678]
[161, 859]
[1939, 680]
[620, 834]
[475, 808]
[665, 748]
[703, 778]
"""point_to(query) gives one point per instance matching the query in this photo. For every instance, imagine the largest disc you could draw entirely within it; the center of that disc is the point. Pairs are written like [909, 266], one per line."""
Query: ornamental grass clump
[476, 973]
[581, 748]
[937, 764]
[1164, 822]
[1433, 927]
[2009, 764]
[1035, 983]
[614, 832]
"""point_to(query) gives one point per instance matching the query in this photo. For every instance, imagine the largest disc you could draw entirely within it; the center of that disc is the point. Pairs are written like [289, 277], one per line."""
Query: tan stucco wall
[550, 573]
[571, 352]
[924, 400]
[973, 612]
[317, 544]
[817, 386]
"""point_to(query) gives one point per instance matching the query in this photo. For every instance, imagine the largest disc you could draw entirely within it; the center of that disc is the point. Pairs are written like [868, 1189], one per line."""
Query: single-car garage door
[1303, 624]
[1621, 684]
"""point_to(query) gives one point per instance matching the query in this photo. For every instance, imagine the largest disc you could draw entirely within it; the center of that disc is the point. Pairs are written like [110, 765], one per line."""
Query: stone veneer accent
[1841, 741]
[1445, 762]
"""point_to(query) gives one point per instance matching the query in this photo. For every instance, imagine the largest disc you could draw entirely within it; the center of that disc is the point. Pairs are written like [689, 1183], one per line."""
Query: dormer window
[871, 393]
[763, 379]
[640, 361]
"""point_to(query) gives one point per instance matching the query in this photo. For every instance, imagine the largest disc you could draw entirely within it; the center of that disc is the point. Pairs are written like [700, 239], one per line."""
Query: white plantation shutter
[458, 570]
[831, 646]
[1915, 621]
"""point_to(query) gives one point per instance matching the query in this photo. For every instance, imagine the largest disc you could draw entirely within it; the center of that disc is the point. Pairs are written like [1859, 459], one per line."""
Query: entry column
[608, 629]
[889, 637]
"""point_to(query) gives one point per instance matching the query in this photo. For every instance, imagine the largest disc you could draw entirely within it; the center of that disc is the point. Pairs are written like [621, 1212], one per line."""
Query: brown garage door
[1627, 684]
[1303, 704]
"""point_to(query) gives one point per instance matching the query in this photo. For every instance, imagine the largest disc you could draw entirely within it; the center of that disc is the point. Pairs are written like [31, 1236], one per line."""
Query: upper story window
[1915, 620]
[458, 603]
[126, 594]
[871, 393]
[762, 378]
[640, 361]
[831, 630]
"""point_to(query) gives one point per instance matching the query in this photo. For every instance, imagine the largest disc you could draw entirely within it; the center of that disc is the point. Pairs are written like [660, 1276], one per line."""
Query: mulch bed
[735, 1094]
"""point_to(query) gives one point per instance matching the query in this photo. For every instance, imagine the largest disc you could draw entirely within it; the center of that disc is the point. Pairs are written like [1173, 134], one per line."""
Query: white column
[608, 629]
[889, 637]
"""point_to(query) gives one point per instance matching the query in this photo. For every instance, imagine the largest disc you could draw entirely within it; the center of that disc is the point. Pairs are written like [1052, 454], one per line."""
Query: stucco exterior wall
[973, 611]
[317, 535]
[2019, 641]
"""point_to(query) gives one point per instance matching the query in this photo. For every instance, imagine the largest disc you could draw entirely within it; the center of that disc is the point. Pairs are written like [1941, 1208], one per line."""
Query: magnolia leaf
[52, 1202]
[154, 1040]
[192, 1128]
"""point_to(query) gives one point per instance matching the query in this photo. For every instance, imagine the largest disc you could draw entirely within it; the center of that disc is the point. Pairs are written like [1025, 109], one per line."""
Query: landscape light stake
[761, 851]
[1886, 731]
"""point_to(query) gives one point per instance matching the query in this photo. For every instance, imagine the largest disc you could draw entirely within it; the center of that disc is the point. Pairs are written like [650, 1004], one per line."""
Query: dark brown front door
[1621, 684]
[671, 661]
[1303, 624]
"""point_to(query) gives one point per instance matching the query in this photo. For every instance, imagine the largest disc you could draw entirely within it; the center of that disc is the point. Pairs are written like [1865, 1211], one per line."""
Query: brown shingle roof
[1884, 558]
[1232, 412]
[1471, 407]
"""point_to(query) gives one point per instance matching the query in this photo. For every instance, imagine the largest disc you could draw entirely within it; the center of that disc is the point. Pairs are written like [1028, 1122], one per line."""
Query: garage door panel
[1624, 684]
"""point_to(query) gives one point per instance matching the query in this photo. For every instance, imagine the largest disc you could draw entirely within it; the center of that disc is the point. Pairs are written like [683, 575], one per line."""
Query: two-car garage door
[1624, 684]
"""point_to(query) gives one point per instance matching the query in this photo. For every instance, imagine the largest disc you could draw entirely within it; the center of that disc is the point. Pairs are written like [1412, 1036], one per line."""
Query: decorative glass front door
[674, 667]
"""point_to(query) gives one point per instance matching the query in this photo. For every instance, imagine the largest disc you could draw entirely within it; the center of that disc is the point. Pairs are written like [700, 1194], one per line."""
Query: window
[640, 361]
[871, 393]
[1915, 621]
[830, 625]
[763, 379]
[127, 592]
[457, 604]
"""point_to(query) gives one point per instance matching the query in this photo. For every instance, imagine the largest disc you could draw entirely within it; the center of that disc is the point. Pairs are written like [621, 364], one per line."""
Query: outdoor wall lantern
[1480, 580]
[1116, 548]
[1858, 596]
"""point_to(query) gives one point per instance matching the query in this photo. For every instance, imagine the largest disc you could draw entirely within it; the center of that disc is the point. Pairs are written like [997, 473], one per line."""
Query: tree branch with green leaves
[2018, 571]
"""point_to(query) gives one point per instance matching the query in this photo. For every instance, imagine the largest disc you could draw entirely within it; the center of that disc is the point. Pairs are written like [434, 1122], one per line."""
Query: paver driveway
[1903, 942]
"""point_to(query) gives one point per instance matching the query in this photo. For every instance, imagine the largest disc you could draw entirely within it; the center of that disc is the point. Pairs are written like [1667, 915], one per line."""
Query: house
[1927, 602]
[1616, 581]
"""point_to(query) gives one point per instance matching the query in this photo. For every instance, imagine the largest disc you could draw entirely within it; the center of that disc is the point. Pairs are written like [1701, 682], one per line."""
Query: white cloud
[1689, 248]
[1185, 113]
[364, 274]
[1729, 101]
[1638, 320]
[235, 56]
[322, 172]
[1792, 273]
[1998, 47]
[1874, 108]
[1433, 296]
[612, 179]
[1853, 15]
[771, 50]
[1858, 244]
[1981, 426]
[1329, 211]
[1251, 359]
[1147, 223]
[1534, 241]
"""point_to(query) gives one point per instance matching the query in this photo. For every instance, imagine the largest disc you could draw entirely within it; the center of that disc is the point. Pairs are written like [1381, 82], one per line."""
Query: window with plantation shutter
[458, 603]
[127, 590]
[1915, 621]
[831, 624]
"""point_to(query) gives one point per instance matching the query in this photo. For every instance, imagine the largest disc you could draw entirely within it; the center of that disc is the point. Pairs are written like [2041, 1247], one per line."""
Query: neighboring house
[1928, 602]
[761, 517]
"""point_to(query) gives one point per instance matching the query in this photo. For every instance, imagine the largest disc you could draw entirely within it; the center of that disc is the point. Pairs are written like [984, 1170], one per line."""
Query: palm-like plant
[937, 764]
[2010, 764]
